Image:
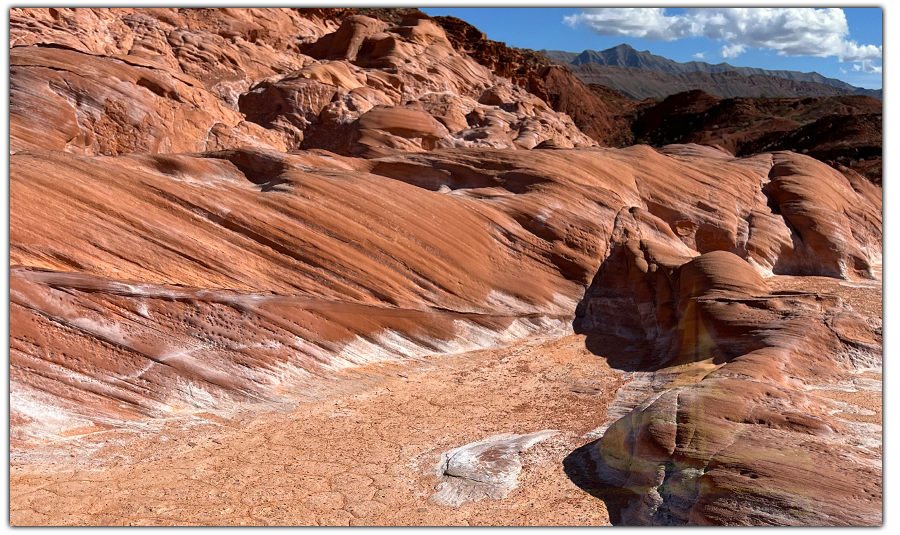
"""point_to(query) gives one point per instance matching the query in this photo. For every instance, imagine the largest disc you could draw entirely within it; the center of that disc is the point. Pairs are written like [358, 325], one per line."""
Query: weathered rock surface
[600, 114]
[340, 250]
[214, 210]
[518, 65]
[182, 81]
[111, 81]
[75, 102]
[224, 48]
[363, 453]
[389, 89]
[488, 468]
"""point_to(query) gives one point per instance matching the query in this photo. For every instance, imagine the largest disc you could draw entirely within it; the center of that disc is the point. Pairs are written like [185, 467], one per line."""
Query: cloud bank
[789, 31]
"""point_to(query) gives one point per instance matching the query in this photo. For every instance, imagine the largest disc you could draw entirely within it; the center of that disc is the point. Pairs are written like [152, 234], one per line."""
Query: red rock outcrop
[215, 210]
[732, 432]
[728, 366]
[111, 81]
[601, 114]
[511, 236]
[519, 65]
[85, 104]
[602, 119]
[225, 49]
[182, 80]
[407, 72]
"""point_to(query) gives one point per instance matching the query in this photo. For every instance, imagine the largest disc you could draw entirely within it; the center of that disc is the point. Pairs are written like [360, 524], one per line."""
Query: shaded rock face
[488, 468]
[601, 116]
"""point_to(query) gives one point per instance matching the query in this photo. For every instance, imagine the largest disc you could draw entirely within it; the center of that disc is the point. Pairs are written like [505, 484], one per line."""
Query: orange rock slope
[212, 210]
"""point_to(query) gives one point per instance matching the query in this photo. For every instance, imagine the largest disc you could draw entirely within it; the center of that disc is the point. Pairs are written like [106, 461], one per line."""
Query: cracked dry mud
[361, 459]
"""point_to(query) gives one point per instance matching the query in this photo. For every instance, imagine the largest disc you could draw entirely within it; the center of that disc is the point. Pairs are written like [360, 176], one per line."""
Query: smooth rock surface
[488, 468]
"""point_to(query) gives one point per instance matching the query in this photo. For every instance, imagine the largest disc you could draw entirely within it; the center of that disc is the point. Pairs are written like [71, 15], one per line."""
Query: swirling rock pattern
[219, 212]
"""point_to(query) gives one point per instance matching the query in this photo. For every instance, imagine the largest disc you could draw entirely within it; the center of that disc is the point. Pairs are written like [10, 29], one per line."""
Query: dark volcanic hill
[846, 130]
[626, 56]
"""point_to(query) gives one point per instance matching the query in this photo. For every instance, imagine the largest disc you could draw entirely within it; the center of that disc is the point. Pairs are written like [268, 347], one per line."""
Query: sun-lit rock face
[66, 100]
[382, 89]
[101, 81]
[216, 46]
[444, 240]
[177, 80]
[217, 210]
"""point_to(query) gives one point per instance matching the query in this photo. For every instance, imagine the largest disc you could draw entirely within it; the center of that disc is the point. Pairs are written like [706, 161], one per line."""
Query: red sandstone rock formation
[215, 209]
[516, 234]
[174, 80]
[731, 433]
[600, 114]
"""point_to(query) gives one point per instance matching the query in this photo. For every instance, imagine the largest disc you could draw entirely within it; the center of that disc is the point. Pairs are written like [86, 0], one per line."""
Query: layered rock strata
[231, 238]
[214, 210]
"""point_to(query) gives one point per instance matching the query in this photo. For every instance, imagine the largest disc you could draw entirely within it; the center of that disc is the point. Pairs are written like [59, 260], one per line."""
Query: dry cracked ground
[359, 459]
[367, 457]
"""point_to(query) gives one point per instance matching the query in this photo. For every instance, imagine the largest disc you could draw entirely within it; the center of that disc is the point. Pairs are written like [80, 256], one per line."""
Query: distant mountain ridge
[626, 56]
[640, 84]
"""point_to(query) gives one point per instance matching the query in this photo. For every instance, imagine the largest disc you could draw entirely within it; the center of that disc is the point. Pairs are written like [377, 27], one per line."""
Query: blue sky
[749, 38]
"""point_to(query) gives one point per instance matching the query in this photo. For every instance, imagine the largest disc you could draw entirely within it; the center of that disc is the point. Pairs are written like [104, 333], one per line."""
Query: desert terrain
[368, 267]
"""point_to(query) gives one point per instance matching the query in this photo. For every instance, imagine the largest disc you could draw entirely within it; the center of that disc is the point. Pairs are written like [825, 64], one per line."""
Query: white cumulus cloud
[646, 22]
[854, 52]
[867, 65]
[789, 31]
[732, 51]
[699, 55]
